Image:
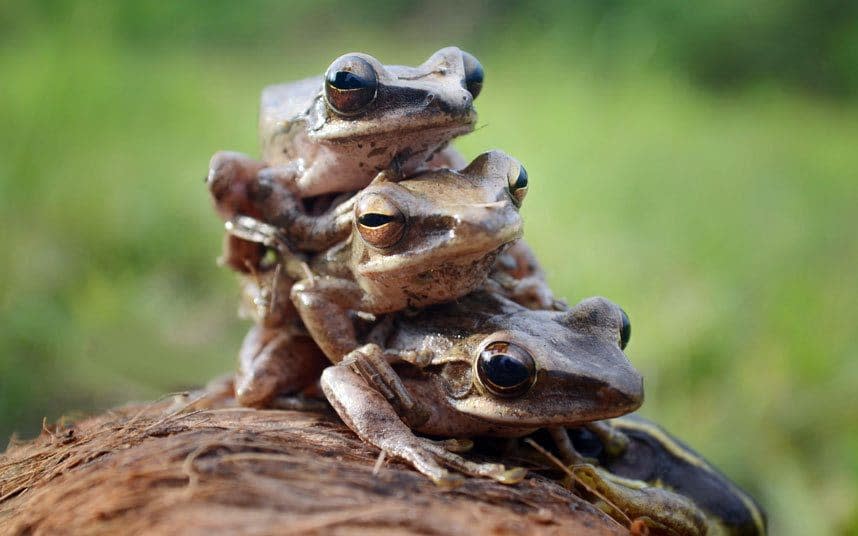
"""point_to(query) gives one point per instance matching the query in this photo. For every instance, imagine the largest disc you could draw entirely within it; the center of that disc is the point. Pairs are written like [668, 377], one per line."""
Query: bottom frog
[640, 471]
[483, 366]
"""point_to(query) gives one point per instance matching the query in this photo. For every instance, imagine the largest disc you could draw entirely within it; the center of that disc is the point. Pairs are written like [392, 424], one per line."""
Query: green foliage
[723, 222]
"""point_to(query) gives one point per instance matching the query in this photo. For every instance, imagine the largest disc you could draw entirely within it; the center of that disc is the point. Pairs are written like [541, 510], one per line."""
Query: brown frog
[425, 240]
[335, 133]
[482, 366]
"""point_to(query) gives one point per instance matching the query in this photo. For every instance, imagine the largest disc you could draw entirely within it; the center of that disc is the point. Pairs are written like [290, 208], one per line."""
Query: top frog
[335, 134]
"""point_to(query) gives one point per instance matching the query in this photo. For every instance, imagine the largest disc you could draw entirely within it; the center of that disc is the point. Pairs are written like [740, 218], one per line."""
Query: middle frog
[428, 239]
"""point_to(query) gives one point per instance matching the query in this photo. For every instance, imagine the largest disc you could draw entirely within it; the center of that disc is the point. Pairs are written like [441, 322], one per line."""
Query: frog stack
[358, 212]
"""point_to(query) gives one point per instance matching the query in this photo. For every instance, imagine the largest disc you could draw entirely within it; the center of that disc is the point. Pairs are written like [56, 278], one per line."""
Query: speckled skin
[582, 375]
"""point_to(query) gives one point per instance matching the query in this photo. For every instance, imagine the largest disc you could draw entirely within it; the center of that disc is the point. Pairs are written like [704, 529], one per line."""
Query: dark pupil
[625, 331]
[373, 219]
[347, 80]
[521, 181]
[506, 371]
[474, 80]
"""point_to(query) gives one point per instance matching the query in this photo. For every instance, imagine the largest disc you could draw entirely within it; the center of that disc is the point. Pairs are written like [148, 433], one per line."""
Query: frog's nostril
[430, 97]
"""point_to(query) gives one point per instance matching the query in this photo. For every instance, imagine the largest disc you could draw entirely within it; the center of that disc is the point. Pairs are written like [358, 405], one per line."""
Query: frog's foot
[372, 418]
[369, 361]
[495, 471]
[638, 504]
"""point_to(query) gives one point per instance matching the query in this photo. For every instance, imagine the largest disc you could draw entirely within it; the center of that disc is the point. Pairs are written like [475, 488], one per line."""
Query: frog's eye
[518, 185]
[505, 369]
[473, 74]
[625, 330]
[350, 84]
[379, 221]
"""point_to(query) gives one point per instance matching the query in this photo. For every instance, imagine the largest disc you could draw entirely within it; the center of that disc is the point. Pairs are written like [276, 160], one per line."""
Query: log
[198, 464]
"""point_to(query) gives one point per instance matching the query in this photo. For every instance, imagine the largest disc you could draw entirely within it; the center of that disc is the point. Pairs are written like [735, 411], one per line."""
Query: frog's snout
[626, 394]
[456, 104]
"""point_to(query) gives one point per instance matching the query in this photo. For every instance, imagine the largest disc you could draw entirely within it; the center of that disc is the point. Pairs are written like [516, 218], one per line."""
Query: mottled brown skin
[452, 227]
[581, 375]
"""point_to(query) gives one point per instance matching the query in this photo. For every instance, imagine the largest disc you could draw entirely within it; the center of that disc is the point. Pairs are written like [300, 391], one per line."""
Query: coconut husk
[197, 464]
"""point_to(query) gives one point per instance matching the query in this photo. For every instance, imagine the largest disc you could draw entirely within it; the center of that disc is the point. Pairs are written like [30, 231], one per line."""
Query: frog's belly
[396, 290]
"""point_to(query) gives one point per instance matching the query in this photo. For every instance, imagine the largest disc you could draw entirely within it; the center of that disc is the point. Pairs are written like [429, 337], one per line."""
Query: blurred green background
[697, 164]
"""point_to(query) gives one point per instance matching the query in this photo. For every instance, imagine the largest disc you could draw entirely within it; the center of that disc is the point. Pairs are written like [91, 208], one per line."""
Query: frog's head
[439, 220]
[548, 368]
[364, 101]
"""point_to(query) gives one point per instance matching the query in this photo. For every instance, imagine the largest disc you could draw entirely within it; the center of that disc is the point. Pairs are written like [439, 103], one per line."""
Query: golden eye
[473, 74]
[505, 369]
[518, 184]
[350, 84]
[379, 221]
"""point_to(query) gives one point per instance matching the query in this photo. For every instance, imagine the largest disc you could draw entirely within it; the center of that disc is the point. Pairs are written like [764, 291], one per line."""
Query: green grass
[724, 224]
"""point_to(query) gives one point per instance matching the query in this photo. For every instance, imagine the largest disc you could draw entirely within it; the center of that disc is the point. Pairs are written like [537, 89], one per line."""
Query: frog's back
[282, 105]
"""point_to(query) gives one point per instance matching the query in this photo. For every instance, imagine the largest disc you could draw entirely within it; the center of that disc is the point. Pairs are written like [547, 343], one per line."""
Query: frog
[482, 366]
[420, 268]
[334, 133]
[650, 461]
[429, 239]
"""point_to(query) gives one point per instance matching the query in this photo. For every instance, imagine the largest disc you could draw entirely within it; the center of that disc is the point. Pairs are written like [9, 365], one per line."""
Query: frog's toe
[512, 476]
[449, 480]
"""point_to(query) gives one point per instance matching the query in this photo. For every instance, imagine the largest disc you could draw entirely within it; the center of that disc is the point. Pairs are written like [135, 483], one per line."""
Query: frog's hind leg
[273, 362]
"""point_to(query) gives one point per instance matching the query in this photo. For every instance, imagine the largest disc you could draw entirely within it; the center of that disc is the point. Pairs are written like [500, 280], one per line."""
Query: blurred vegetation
[695, 164]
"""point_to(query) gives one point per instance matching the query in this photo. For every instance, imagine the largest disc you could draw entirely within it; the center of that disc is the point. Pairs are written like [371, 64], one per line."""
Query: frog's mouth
[360, 130]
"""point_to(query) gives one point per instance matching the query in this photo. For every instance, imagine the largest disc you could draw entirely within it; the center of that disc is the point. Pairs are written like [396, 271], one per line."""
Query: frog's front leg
[369, 415]
[280, 205]
[656, 508]
[241, 185]
[273, 362]
[372, 364]
[324, 304]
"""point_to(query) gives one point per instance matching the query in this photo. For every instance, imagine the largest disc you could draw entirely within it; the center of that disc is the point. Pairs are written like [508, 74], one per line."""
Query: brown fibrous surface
[197, 464]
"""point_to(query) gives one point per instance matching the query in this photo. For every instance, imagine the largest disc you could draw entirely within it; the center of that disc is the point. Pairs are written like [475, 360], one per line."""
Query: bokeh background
[696, 163]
